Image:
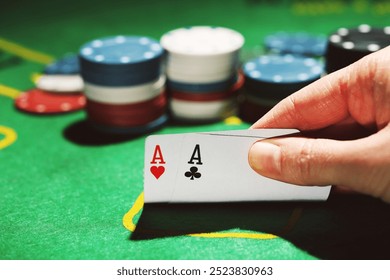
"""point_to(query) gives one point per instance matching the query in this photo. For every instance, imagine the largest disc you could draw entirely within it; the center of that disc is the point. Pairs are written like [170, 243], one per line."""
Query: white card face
[213, 167]
[160, 166]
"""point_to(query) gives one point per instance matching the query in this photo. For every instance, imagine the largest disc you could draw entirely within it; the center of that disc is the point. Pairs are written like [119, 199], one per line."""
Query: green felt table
[67, 192]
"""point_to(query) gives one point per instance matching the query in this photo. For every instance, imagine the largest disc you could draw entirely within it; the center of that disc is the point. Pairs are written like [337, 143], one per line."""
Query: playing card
[213, 167]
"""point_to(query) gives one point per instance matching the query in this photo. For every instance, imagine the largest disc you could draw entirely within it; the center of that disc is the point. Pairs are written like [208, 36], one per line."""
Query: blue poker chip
[121, 50]
[296, 43]
[136, 130]
[277, 76]
[132, 60]
[67, 65]
[118, 78]
[202, 88]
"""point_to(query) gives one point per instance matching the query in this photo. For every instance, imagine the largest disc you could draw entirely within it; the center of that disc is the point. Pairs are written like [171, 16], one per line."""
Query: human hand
[358, 94]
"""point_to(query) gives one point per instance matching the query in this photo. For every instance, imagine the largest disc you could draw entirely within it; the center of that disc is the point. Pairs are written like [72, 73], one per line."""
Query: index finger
[329, 100]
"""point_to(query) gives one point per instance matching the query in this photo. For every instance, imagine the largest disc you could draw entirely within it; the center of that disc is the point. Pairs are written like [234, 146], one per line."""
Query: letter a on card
[157, 156]
[157, 170]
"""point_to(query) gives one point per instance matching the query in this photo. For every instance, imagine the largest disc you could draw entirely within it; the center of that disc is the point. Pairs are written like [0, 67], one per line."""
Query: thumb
[362, 165]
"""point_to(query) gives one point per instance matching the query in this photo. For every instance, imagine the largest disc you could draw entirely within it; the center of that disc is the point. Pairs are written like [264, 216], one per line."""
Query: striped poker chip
[121, 50]
[348, 45]
[121, 60]
[283, 69]
[276, 76]
[37, 101]
[124, 95]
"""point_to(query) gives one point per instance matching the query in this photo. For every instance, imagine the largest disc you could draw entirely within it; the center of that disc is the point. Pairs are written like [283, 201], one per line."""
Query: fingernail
[264, 158]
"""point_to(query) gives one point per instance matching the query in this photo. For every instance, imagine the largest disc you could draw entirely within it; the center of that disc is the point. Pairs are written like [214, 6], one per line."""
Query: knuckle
[293, 113]
[304, 170]
[304, 161]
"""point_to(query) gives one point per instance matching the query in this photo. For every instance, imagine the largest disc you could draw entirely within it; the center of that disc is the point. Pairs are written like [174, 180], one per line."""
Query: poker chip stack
[271, 78]
[123, 83]
[202, 76]
[58, 89]
[62, 76]
[348, 45]
[280, 70]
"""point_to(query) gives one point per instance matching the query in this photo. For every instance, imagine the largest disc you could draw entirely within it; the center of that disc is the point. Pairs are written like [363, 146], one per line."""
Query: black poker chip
[348, 45]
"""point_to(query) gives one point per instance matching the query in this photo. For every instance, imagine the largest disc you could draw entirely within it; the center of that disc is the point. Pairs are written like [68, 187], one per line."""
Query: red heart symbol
[157, 171]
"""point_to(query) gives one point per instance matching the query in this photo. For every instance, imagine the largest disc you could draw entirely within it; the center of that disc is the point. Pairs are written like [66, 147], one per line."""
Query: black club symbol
[193, 173]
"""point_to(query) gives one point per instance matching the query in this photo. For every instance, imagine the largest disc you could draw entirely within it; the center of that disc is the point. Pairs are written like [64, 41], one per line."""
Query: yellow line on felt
[10, 136]
[24, 52]
[137, 207]
[9, 92]
[134, 210]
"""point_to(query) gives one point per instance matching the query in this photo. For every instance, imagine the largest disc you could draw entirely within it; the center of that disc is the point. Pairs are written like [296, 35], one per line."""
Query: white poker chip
[200, 78]
[200, 67]
[213, 62]
[202, 54]
[200, 74]
[203, 111]
[202, 40]
[124, 95]
[60, 83]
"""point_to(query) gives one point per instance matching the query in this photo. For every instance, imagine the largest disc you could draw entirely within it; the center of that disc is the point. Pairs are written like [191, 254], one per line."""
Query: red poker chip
[42, 102]
[127, 115]
[210, 96]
